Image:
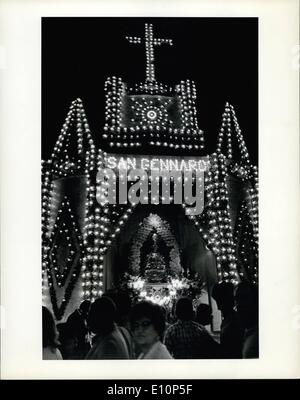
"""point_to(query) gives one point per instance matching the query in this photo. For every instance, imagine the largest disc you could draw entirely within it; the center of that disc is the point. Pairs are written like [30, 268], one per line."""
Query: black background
[201, 387]
[219, 54]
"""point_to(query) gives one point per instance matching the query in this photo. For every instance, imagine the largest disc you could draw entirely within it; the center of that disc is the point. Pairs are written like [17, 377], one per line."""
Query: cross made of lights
[150, 42]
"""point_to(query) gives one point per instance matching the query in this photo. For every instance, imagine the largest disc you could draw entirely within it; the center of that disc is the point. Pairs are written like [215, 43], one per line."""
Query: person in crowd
[109, 342]
[50, 336]
[247, 309]
[77, 330]
[231, 335]
[187, 339]
[166, 317]
[204, 315]
[148, 324]
[68, 342]
[123, 305]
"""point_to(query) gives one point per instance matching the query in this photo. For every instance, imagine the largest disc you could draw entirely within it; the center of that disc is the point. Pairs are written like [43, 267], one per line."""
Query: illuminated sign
[155, 163]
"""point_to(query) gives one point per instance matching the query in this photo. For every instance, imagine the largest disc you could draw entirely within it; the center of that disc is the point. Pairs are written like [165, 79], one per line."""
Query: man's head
[102, 315]
[85, 307]
[247, 303]
[204, 314]
[184, 309]
[223, 293]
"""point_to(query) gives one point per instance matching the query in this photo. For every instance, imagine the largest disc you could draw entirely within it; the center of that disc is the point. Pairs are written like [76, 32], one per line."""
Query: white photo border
[20, 124]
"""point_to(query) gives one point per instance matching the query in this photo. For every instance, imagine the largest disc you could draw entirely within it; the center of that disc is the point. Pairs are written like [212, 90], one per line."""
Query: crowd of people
[112, 328]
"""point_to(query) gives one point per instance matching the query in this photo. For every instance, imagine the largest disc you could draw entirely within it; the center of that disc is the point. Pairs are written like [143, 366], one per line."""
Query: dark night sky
[219, 54]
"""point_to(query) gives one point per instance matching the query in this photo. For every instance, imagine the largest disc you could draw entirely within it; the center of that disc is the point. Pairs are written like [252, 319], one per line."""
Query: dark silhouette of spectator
[187, 339]
[50, 336]
[247, 309]
[68, 342]
[77, 325]
[231, 336]
[123, 305]
[148, 325]
[166, 317]
[204, 314]
[110, 342]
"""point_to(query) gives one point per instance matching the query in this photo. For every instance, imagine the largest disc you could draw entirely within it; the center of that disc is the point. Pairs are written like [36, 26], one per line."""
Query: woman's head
[147, 323]
[50, 333]
[102, 315]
